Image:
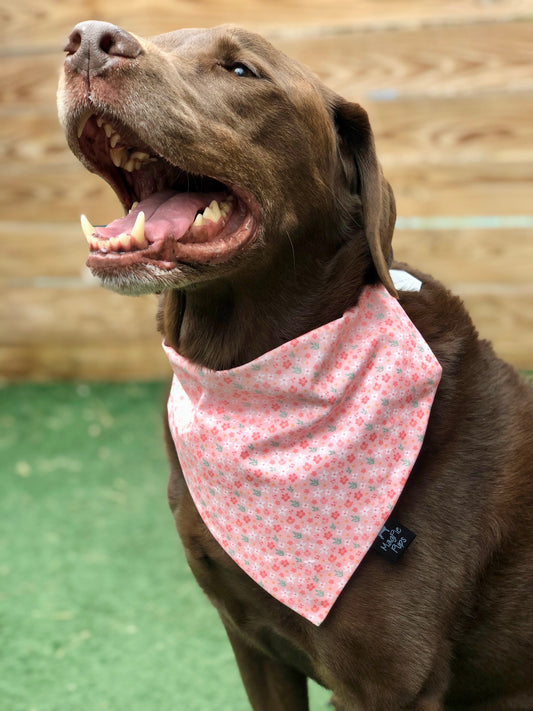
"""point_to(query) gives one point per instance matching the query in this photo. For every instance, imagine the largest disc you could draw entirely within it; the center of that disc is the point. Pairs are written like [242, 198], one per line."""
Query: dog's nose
[94, 47]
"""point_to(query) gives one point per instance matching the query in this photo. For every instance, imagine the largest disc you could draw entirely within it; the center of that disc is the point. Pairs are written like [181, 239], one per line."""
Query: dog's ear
[363, 173]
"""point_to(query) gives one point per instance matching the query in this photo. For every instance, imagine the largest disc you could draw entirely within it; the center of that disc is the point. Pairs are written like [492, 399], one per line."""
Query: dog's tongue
[166, 214]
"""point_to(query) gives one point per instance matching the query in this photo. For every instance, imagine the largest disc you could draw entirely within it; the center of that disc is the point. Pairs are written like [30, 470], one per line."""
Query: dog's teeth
[88, 229]
[215, 209]
[109, 130]
[140, 155]
[113, 244]
[124, 241]
[132, 208]
[119, 156]
[83, 122]
[212, 212]
[138, 231]
[198, 220]
[115, 138]
[129, 165]
[225, 207]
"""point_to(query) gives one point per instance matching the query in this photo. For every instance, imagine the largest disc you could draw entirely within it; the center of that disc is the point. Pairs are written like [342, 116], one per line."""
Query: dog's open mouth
[173, 216]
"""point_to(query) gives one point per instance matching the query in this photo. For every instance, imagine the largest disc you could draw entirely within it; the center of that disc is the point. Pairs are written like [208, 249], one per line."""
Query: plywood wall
[449, 88]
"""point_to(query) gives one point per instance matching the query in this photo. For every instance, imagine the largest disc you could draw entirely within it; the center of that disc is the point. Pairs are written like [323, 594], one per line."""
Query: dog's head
[223, 152]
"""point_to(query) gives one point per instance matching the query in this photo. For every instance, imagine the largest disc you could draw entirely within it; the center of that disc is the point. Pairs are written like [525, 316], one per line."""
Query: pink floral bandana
[296, 460]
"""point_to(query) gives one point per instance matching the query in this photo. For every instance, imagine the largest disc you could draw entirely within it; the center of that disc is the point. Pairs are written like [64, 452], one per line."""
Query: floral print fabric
[296, 459]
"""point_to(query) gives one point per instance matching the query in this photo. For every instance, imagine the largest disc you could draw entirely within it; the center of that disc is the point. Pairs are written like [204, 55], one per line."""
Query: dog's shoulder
[439, 315]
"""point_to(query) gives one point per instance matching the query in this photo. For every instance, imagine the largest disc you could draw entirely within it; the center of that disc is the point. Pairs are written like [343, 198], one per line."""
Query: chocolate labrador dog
[255, 205]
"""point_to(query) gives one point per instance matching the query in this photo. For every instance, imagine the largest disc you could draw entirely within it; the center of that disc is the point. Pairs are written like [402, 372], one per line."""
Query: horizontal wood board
[32, 24]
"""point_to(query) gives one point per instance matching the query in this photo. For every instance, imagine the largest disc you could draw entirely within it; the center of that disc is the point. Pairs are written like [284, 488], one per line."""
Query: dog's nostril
[106, 43]
[73, 43]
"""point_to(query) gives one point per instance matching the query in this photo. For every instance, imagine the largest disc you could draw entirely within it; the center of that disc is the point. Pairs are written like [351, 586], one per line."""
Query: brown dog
[300, 219]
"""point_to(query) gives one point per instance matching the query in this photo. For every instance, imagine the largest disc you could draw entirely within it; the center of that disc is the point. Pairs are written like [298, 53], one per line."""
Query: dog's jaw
[174, 219]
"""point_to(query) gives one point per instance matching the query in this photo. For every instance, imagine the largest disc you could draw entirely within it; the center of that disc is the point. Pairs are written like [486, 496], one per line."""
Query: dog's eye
[240, 70]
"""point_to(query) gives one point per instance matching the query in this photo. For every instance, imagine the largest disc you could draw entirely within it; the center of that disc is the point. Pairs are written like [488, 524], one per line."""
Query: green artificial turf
[98, 610]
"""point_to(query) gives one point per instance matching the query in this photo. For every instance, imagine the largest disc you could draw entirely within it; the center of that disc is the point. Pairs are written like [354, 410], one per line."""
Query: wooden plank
[469, 256]
[476, 128]
[71, 351]
[454, 189]
[504, 318]
[58, 251]
[444, 61]
[421, 189]
[76, 315]
[35, 249]
[491, 128]
[32, 23]
[92, 361]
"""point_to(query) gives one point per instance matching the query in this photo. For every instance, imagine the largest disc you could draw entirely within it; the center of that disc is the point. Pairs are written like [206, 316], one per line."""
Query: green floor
[97, 607]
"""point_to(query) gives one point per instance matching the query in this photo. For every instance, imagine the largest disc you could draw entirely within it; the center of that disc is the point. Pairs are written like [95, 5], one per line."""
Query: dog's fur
[450, 627]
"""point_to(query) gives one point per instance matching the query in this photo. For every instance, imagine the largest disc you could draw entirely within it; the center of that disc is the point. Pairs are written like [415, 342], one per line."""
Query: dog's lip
[134, 170]
[167, 252]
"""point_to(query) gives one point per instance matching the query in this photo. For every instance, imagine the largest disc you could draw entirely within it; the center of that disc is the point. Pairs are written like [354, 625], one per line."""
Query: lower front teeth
[125, 242]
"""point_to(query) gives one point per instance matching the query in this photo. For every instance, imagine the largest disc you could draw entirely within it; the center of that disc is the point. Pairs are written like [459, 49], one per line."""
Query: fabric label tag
[393, 540]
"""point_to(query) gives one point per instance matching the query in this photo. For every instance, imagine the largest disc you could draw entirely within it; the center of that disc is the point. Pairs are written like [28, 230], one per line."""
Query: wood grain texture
[80, 315]
[53, 253]
[32, 23]
[96, 334]
[421, 189]
[449, 90]
[450, 60]
[39, 249]
[93, 361]
[457, 129]
[470, 256]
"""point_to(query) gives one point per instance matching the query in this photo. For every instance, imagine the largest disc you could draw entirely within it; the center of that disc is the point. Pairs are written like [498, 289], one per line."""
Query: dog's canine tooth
[88, 229]
[115, 138]
[109, 130]
[83, 122]
[198, 220]
[119, 156]
[137, 232]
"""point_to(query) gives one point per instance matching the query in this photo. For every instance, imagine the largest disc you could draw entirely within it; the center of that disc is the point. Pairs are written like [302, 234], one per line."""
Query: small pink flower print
[358, 377]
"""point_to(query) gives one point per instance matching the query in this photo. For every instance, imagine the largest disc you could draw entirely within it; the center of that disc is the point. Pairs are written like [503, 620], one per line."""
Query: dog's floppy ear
[363, 172]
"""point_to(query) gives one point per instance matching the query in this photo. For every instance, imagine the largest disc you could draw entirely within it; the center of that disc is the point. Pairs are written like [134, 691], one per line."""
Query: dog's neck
[228, 322]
